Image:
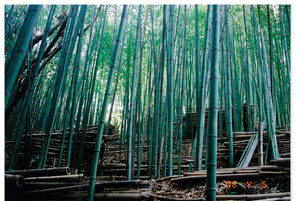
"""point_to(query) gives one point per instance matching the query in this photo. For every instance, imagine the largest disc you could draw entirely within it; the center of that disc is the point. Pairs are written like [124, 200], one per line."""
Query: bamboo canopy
[193, 98]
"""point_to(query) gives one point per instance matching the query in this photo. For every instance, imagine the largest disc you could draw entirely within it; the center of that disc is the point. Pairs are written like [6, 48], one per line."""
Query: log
[116, 185]
[123, 196]
[109, 196]
[99, 187]
[223, 171]
[270, 167]
[179, 199]
[109, 178]
[201, 178]
[46, 185]
[41, 172]
[281, 162]
[50, 191]
[285, 155]
[62, 178]
[12, 181]
[283, 132]
[252, 197]
[283, 173]
[276, 199]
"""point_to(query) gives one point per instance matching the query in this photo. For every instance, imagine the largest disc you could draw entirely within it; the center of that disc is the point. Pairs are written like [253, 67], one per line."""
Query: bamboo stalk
[105, 102]
[252, 197]
[15, 61]
[213, 111]
[260, 143]
[63, 178]
[13, 181]
[41, 172]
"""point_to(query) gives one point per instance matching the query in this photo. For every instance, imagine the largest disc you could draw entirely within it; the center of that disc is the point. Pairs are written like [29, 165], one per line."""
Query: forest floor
[254, 182]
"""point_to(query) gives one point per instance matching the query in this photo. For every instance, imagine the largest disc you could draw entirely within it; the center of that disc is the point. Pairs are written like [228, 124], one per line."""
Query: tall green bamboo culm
[105, 103]
[28, 98]
[284, 43]
[247, 74]
[228, 108]
[132, 99]
[170, 94]
[90, 97]
[268, 99]
[64, 60]
[13, 65]
[201, 109]
[75, 92]
[213, 107]
[197, 74]
[182, 92]
[73, 87]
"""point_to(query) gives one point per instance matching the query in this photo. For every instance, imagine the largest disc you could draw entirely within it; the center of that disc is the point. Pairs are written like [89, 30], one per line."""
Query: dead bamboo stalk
[276, 199]
[99, 187]
[29, 186]
[111, 196]
[179, 199]
[62, 178]
[262, 127]
[14, 180]
[282, 162]
[252, 197]
[202, 178]
[41, 172]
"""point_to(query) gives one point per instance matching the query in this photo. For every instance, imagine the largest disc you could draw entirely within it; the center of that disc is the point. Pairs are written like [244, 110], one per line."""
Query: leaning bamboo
[71, 96]
[28, 99]
[13, 65]
[60, 78]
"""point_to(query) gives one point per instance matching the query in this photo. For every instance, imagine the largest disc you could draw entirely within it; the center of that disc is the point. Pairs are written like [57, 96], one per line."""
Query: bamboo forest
[147, 102]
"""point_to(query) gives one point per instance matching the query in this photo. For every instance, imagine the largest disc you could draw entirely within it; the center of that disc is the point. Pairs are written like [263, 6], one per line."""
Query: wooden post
[262, 127]
[54, 162]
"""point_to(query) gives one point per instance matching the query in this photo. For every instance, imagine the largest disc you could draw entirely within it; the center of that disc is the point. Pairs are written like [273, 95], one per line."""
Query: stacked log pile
[24, 156]
[20, 183]
[113, 166]
[252, 183]
[193, 115]
[114, 163]
[241, 141]
[59, 184]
